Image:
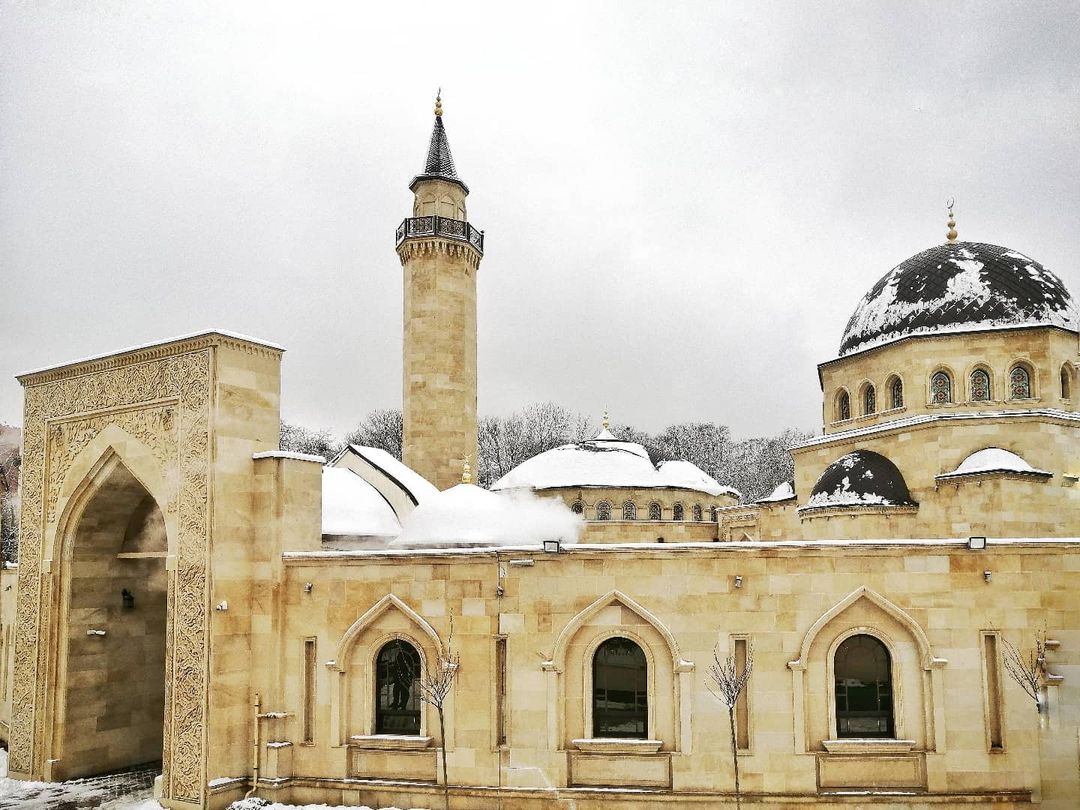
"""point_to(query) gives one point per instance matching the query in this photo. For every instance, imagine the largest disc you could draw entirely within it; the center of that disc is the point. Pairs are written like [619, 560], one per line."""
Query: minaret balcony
[457, 229]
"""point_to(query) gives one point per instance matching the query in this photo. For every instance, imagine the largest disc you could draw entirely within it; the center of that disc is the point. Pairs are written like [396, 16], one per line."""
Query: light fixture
[987, 575]
[738, 581]
[552, 546]
[127, 599]
[308, 587]
[976, 543]
[223, 605]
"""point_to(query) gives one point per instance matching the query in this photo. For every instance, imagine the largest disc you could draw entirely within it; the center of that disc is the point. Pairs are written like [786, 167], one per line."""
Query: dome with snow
[955, 287]
[784, 491]
[466, 516]
[605, 461]
[860, 478]
[991, 460]
[351, 507]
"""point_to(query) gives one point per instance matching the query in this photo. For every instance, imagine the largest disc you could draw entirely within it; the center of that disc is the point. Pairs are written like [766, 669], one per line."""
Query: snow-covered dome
[784, 491]
[860, 478]
[994, 460]
[467, 516]
[604, 461]
[959, 286]
[352, 507]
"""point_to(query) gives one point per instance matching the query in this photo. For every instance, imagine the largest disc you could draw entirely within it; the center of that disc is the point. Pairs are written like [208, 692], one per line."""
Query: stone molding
[414, 248]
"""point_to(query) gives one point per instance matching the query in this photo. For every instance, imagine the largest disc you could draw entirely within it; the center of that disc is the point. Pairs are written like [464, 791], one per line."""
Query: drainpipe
[255, 749]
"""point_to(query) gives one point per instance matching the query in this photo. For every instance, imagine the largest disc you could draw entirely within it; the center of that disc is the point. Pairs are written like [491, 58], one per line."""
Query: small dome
[959, 287]
[994, 460]
[784, 491]
[860, 478]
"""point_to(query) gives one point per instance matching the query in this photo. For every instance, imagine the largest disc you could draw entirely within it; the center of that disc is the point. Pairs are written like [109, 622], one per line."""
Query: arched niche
[353, 694]
[569, 672]
[918, 697]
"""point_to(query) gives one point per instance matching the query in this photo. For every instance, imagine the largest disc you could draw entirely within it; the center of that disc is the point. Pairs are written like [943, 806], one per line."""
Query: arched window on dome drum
[629, 511]
[897, 392]
[620, 690]
[677, 512]
[397, 689]
[980, 386]
[843, 407]
[1066, 379]
[655, 512]
[578, 508]
[696, 512]
[869, 400]
[603, 511]
[1019, 383]
[940, 388]
[712, 514]
[862, 669]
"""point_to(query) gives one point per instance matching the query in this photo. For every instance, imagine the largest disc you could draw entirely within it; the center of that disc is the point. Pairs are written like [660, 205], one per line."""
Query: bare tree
[10, 463]
[435, 687]
[727, 683]
[1028, 667]
[506, 441]
[380, 428]
[299, 439]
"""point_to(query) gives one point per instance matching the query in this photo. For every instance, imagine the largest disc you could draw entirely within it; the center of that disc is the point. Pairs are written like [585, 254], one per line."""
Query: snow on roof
[784, 491]
[955, 287]
[288, 454]
[604, 462]
[353, 507]
[410, 480]
[860, 478]
[992, 460]
[684, 475]
[466, 515]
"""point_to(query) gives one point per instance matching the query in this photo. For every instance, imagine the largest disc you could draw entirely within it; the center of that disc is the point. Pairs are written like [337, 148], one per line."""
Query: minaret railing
[446, 227]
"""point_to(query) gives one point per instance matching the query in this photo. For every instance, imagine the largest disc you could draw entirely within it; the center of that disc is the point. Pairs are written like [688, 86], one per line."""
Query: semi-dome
[860, 478]
[956, 287]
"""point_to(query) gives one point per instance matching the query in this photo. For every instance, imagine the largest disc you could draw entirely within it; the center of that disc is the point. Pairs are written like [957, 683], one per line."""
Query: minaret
[440, 253]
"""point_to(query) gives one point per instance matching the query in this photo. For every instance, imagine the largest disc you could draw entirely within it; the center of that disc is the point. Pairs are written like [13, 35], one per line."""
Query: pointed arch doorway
[109, 694]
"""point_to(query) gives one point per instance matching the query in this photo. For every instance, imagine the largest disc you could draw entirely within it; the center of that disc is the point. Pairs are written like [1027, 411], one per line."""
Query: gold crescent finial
[438, 103]
[951, 235]
[605, 422]
[466, 470]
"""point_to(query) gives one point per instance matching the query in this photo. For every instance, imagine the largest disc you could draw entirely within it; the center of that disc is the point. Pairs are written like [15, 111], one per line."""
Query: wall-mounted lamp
[222, 605]
[127, 599]
[738, 581]
[552, 546]
[987, 575]
[309, 587]
[976, 543]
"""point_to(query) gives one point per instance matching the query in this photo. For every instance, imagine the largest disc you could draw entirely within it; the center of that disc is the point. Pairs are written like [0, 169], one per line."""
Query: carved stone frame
[65, 410]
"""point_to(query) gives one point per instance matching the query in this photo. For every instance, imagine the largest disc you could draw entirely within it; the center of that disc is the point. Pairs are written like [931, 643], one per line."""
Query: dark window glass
[629, 511]
[677, 512]
[980, 386]
[869, 400]
[603, 511]
[843, 407]
[898, 393]
[712, 514]
[697, 511]
[397, 692]
[655, 512]
[863, 672]
[1020, 383]
[620, 690]
[577, 507]
[940, 388]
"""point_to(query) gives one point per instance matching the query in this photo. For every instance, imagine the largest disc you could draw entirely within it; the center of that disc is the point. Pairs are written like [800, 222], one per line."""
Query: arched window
[603, 511]
[629, 511]
[1019, 383]
[863, 672]
[578, 508]
[1066, 380]
[843, 407]
[869, 400]
[696, 511]
[712, 514]
[620, 690]
[940, 388]
[397, 689]
[655, 512]
[896, 391]
[980, 386]
[677, 512]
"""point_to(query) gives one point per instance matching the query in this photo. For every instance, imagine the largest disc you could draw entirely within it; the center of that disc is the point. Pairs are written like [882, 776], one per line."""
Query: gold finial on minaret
[438, 103]
[466, 470]
[605, 421]
[951, 235]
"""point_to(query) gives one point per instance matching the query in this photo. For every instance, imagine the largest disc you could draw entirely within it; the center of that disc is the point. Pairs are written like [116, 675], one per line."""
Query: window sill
[389, 742]
[868, 745]
[602, 745]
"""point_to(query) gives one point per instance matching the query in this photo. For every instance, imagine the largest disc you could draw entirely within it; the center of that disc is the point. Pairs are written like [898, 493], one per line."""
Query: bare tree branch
[726, 683]
[1026, 668]
[435, 687]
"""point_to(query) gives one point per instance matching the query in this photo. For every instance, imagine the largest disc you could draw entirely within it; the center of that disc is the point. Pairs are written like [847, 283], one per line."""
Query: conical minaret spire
[440, 163]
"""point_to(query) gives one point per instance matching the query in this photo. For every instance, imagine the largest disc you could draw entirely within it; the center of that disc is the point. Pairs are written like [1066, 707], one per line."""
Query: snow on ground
[125, 791]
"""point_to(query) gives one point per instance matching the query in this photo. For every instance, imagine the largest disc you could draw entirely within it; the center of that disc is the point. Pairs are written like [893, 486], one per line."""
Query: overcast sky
[683, 202]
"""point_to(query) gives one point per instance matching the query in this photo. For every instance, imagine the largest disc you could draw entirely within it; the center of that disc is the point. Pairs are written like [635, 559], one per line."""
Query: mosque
[259, 620]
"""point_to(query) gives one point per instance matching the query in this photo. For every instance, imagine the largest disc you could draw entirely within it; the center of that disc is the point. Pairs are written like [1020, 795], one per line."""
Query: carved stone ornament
[164, 402]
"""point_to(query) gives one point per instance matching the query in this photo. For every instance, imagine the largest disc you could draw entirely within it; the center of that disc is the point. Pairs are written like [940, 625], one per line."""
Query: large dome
[956, 287]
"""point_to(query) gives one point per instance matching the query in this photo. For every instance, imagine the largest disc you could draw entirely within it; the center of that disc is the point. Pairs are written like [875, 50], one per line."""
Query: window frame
[378, 647]
[629, 510]
[603, 505]
[678, 511]
[842, 406]
[867, 393]
[890, 387]
[1066, 382]
[980, 369]
[951, 378]
[1029, 372]
[656, 508]
[895, 685]
[589, 694]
